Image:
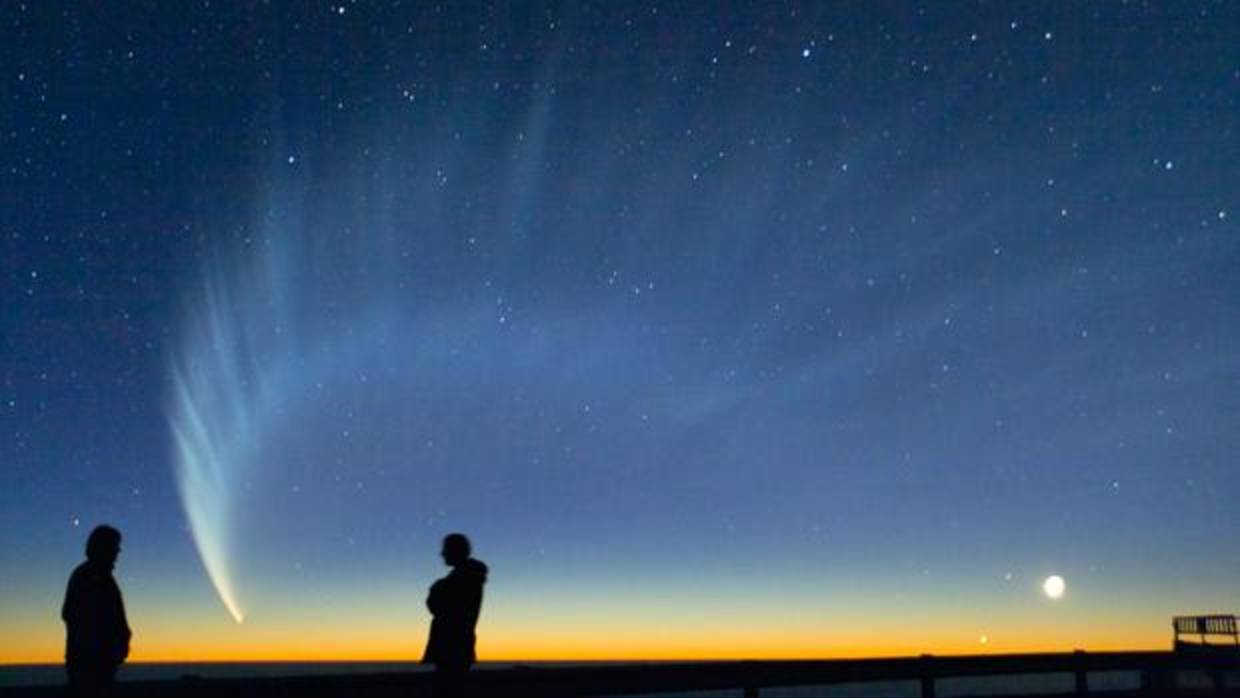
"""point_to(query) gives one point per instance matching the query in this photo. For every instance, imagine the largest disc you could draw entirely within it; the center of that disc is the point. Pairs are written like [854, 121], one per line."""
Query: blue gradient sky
[718, 332]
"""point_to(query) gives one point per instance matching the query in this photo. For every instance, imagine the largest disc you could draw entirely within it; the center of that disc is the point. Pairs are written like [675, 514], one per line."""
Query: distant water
[52, 674]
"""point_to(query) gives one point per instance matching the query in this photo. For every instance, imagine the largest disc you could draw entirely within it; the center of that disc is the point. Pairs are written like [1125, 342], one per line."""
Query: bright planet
[1054, 587]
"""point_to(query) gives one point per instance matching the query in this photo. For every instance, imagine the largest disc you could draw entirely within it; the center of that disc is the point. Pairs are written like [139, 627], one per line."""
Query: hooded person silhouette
[454, 602]
[96, 631]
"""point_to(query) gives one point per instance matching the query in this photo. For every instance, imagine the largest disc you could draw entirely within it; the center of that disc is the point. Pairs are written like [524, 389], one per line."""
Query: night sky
[724, 330]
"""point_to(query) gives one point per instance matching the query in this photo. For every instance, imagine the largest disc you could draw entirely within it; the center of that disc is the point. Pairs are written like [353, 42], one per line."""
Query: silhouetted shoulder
[81, 591]
[476, 570]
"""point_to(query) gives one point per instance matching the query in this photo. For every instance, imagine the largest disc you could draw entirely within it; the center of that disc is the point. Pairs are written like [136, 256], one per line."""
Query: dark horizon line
[674, 660]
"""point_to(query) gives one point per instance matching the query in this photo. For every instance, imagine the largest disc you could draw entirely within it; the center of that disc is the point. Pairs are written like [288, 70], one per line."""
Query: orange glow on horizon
[584, 631]
[622, 645]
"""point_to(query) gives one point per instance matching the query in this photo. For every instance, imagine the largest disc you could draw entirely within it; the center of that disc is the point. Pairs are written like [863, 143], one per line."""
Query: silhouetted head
[103, 545]
[456, 549]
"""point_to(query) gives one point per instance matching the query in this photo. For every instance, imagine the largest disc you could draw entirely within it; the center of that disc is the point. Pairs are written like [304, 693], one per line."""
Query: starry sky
[723, 329]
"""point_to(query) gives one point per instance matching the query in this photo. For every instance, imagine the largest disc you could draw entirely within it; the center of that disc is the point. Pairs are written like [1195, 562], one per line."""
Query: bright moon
[1054, 586]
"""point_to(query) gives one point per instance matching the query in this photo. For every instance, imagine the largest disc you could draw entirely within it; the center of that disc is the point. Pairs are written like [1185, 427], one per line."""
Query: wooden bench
[1206, 628]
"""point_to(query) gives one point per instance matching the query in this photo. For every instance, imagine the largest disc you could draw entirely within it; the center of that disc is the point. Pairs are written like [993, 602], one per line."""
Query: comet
[226, 378]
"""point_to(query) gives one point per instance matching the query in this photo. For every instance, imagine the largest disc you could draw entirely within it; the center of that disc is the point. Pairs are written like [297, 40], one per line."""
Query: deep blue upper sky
[936, 298]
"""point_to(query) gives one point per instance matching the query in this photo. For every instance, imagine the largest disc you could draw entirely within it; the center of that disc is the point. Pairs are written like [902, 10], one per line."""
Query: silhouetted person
[96, 632]
[454, 603]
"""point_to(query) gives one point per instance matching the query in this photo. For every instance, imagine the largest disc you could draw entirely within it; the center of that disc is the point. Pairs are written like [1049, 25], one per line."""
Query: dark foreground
[1158, 674]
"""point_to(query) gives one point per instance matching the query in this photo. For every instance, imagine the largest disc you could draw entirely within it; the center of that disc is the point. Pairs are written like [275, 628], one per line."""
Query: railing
[1205, 627]
[1158, 673]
